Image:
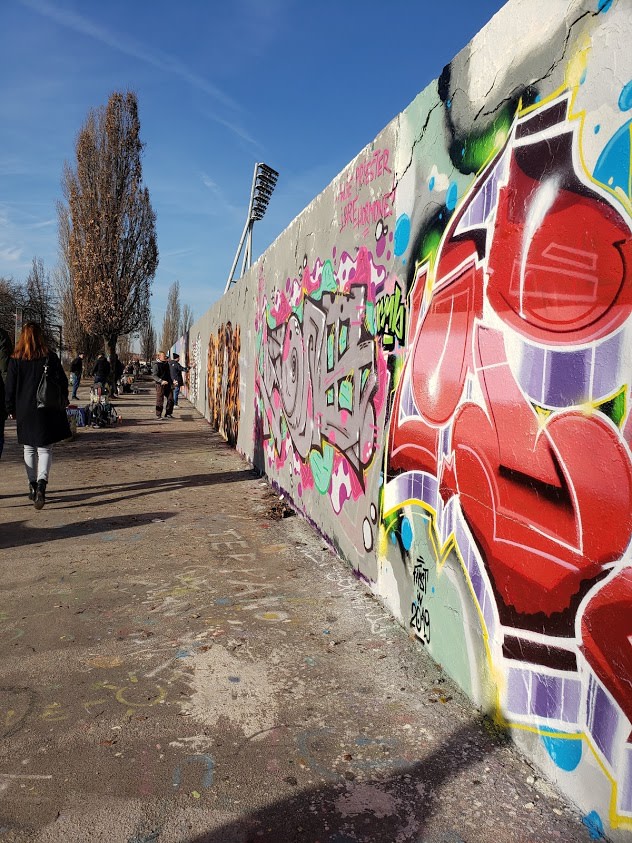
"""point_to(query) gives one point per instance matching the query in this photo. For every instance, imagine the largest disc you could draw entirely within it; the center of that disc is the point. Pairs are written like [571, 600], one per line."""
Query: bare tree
[171, 322]
[147, 340]
[186, 320]
[11, 299]
[34, 299]
[124, 347]
[76, 337]
[112, 241]
[39, 296]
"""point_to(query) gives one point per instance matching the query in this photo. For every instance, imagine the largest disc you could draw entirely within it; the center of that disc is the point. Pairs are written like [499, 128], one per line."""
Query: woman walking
[37, 428]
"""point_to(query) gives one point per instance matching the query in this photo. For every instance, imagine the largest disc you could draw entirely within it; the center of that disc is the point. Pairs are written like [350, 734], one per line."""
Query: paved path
[180, 663]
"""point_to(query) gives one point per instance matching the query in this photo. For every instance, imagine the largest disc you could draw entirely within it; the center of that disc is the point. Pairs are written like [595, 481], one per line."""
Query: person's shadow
[413, 805]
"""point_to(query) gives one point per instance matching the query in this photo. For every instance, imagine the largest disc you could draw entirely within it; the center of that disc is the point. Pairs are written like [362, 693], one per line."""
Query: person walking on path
[76, 369]
[161, 375]
[38, 429]
[6, 350]
[101, 371]
[176, 368]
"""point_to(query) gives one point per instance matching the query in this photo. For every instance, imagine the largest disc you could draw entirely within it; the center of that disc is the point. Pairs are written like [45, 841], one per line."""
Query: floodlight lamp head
[265, 182]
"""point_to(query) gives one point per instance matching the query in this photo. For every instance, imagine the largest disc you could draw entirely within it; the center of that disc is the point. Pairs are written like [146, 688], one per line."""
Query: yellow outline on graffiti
[575, 69]
[441, 556]
[572, 81]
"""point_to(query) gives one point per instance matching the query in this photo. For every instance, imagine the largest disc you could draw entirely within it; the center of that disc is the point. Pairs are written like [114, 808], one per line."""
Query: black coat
[6, 350]
[101, 370]
[76, 367]
[176, 368]
[38, 428]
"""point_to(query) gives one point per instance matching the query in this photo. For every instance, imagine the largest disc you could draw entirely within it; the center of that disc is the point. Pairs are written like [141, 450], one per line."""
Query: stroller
[100, 412]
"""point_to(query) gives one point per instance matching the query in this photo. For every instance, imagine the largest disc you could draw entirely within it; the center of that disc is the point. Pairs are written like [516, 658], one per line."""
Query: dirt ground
[181, 661]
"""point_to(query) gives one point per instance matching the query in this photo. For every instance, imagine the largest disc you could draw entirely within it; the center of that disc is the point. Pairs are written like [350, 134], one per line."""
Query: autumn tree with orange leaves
[112, 247]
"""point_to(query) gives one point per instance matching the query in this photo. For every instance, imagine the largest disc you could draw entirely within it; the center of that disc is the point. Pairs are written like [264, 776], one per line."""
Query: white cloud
[130, 47]
[12, 166]
[12, 254]
[176, 253]
[43, 224]
[215, 189]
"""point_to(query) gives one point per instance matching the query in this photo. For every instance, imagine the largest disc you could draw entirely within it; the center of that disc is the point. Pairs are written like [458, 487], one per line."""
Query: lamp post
[264, 181]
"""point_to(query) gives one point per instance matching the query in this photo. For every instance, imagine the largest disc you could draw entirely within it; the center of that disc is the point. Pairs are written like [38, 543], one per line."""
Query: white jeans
[37, 462]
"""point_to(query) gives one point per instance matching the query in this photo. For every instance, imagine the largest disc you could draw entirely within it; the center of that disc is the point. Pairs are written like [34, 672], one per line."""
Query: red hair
[32, 344]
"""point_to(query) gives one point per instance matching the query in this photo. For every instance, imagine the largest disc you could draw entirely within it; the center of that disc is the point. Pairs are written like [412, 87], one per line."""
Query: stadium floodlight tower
[263, 183]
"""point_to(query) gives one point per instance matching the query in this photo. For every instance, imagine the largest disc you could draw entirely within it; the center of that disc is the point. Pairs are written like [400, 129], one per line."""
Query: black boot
[32, 491]
[40, 494]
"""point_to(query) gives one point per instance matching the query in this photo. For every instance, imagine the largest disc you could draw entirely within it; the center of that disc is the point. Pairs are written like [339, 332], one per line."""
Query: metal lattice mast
[264, 180]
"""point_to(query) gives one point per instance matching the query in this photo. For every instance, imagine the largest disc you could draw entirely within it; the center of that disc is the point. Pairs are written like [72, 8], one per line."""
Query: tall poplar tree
[171, 320]
[112, 240]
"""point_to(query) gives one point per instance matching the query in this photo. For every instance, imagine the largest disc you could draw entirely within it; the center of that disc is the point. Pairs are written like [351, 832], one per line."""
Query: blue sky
[302, 86]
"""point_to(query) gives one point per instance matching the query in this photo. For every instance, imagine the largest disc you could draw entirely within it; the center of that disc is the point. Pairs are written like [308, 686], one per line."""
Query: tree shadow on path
[21, 533]
[402, 807]
[101, 494]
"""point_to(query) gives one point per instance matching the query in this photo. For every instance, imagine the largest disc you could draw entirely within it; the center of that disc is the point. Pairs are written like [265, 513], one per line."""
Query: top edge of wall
[504, 27]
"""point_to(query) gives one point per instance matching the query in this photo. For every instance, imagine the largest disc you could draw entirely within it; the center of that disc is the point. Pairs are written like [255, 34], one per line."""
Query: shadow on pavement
[380, 810]
[19, 533]
[129, 491]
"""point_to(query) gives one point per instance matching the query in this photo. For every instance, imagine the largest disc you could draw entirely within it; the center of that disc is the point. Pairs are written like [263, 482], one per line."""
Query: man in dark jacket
[101, 370]
[76, 369]
[176, 368]
[161, 375]
[6, 350]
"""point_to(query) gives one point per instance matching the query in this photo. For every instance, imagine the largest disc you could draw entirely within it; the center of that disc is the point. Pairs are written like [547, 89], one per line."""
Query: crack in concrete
[417, 141]
[546, 75]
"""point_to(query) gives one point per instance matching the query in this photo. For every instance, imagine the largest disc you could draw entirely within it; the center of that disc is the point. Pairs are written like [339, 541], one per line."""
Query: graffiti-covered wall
[433, 362]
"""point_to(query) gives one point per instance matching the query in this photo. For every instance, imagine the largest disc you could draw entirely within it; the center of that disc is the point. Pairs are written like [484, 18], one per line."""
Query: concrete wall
[433, 362]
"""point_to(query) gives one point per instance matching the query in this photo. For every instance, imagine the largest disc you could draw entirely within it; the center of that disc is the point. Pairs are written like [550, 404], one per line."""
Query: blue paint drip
[407, 534]
[566, 753]
[402, 233]
[597, 128]
[604, 5]
[613, 165]
[448, 103]
[582, 78]
[451, 196]
[625, 97]
[594, 825]
[431, 183]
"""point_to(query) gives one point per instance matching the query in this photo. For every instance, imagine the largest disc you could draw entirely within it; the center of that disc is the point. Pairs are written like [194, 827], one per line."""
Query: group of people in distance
[21, 370]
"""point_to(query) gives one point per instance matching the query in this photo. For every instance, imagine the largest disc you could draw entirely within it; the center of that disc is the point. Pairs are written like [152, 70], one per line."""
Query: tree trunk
[110, 343]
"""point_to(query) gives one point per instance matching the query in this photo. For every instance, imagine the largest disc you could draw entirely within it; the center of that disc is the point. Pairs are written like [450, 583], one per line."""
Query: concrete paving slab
[181, 662]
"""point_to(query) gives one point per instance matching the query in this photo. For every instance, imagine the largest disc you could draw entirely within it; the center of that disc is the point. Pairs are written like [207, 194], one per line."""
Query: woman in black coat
[38, 429]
